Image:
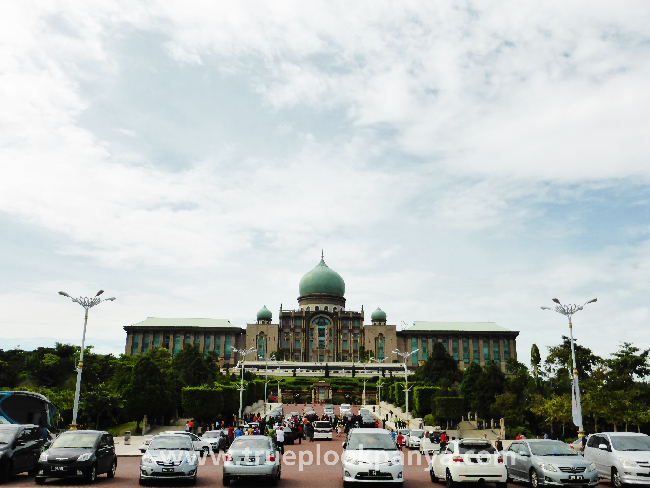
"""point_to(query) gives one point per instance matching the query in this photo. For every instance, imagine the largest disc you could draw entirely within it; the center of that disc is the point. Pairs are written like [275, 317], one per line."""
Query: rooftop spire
[322, 254]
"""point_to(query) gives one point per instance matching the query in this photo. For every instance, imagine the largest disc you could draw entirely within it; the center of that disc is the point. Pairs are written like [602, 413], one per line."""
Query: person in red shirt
[400, 441]
[443, 441]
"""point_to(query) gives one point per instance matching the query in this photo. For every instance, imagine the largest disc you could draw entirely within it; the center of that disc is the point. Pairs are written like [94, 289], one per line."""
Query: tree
[192, 368]
[147, 392]
[203, 403]
[627, 365]
[560, 363]
[438, 367]
[535, 359]
[469, 387]
[492, 383]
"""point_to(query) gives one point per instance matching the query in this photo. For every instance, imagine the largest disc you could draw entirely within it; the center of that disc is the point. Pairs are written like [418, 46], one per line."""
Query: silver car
[371, 455]
[623, 457]
[252, 456]
[548, 462]
[169, 457]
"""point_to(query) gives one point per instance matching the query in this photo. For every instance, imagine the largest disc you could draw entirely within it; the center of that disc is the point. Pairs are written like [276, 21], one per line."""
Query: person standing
[300, 434]
[400, 441]
[187, 426]
[498, 445]
[279, 437]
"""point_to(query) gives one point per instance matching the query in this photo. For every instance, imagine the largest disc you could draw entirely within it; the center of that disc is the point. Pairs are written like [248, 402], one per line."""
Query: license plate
[168, 470]
[59, 468]
[575, 477]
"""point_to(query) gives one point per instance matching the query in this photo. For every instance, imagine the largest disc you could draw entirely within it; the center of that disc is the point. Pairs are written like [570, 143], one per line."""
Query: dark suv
[78, 454]
[20, 447]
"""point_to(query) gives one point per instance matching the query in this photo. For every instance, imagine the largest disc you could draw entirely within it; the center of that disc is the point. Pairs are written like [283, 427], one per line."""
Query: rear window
[253, 442]
[476, 448]
[322, 425]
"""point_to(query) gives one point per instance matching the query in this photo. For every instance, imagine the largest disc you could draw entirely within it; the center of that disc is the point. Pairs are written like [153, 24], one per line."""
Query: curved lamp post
[87, 304]
[568, 311]
[405, 356]
[380, 361]
[242, 357]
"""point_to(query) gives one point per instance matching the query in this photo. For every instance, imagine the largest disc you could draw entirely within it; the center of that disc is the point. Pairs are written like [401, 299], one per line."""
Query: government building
[320, 329]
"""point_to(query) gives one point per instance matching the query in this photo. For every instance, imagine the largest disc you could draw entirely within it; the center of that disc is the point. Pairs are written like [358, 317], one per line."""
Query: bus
[26, 407]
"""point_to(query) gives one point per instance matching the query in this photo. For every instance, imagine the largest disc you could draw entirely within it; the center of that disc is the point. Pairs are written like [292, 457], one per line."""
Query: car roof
[368, 430]
[622, 434]
[96, 432]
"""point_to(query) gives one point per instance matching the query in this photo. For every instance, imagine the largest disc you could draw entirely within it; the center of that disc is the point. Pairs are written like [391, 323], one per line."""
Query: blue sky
[457, 161]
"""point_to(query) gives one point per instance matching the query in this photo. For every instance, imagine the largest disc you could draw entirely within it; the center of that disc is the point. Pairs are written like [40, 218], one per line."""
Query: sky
[454, 161]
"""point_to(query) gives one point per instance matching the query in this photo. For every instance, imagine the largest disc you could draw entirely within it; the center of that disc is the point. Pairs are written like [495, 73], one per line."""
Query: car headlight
[592, 467]
[146, 459]
[85, 456]
[628, 463]
[350, 459]
[547, 467]
[43, 457]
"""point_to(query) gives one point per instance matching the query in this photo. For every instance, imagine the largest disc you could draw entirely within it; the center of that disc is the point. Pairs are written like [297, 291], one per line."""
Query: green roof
[204, 323]
[456, 327]
[322, 280]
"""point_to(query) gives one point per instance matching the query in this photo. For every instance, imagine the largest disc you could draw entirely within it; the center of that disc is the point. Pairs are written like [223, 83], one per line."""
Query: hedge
[202, 403]
[422, 396]
[447, 408]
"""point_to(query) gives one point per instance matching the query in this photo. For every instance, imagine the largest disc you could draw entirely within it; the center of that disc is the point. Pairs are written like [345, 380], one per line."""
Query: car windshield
[476, 448]
[551, 449]
[6, 436]
[322, 425]
[171, 443]
[250, 442]
[631, 443]
[376, 442]
[75, 440]
[212, 434]
[417, 433]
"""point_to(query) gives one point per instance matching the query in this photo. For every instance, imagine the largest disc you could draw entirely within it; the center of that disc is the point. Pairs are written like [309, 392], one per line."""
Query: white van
[623, 457]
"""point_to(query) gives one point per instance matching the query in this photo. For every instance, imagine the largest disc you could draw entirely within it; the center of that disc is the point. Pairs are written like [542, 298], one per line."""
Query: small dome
[322, 280]
[264, 314]
[378, 314]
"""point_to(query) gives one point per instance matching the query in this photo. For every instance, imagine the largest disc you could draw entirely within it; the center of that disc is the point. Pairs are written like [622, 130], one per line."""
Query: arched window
[380, 347]
[321, 323]
[308, 309]
[316, 308]
[260, 346]
[326, 308]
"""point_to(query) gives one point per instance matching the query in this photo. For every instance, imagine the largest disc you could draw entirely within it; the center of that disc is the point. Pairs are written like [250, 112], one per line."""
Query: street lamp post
[266, 378]
[87, 304]
[380, 361]
[568, 311]
[405, 356]
[279, 397]
[242, 354]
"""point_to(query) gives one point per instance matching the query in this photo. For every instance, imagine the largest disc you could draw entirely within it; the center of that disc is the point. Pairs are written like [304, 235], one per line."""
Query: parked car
[468, 460]
[328, 408]
[322, 430]
[307, 410]
[218, 439]
[345, 409]
[623, 457]
[548, 462]
[145, 445]
[78, 454]
[252, 457]
[414, 438]
[169, 457]
[371, 455]
[200, 445]
[20, 447]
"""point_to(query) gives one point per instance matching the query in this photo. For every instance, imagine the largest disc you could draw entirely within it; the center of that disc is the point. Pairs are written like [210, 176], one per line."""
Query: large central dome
[322, 280]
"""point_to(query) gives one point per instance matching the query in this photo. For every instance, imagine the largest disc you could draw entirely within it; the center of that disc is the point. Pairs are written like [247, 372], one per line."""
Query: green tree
[147, 392]
[535, 359]
[628, 364]
[471, 384]
[440, 366]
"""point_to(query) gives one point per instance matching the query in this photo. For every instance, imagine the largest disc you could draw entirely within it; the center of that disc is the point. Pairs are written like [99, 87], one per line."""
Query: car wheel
[112, 469]
[5, 472]
[434, 478]
[616, 478]
[226, 480]
[534, 480]
[449, 480]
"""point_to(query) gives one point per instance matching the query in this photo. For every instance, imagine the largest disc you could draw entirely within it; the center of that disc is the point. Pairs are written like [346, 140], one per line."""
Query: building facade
[321, 329]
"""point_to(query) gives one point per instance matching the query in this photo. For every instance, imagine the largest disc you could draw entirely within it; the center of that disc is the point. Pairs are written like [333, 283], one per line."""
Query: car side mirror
[603, 447]
[142, 451]
[523, 453]
[344, 445]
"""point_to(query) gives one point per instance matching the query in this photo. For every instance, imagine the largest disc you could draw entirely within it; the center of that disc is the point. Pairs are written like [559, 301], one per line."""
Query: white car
[467, 460]
[430, 443]
[322, 430]
[414, 439]
[371, 456]
[345, 409]
[200, 445]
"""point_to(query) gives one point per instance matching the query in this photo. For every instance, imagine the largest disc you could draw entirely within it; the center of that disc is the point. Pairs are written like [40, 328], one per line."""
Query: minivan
[622, 457]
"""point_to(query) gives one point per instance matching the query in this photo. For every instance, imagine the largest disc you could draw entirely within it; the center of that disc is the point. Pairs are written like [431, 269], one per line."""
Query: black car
[78, 454]
[20, 447]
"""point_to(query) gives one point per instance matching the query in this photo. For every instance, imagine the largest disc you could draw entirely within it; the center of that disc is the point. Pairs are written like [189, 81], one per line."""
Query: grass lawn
[118, 430]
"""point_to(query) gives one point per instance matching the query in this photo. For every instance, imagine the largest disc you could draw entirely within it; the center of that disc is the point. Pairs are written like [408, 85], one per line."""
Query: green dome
[321, 279]
[378, 314]
[264, 314]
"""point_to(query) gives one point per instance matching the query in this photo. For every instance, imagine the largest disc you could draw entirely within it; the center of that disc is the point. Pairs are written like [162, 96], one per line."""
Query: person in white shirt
[279, 438]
